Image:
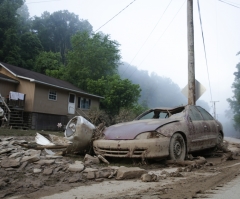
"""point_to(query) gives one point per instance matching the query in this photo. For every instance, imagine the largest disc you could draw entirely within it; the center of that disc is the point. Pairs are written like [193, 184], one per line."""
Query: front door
[71, 103]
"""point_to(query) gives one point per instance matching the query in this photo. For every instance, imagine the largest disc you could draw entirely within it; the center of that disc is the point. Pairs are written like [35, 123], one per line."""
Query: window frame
[51, 93]
[81, 104]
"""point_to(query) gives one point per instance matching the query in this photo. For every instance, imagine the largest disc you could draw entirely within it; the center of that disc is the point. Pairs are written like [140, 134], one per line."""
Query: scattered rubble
[21, 166]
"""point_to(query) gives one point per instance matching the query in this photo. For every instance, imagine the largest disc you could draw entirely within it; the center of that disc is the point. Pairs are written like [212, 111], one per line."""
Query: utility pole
[191, 64]
[214, 109]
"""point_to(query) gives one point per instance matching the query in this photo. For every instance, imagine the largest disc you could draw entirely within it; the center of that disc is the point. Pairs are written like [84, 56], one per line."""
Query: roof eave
[39, 82]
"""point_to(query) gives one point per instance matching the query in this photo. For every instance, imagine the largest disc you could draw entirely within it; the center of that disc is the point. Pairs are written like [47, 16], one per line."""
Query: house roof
[39, 78]
[8, 79]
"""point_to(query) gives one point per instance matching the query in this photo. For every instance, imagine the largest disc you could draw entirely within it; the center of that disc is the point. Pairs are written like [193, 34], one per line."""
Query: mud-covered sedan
[162, 132]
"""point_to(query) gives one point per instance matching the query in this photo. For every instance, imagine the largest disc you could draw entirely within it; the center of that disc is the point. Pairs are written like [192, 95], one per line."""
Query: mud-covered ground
[54, 180]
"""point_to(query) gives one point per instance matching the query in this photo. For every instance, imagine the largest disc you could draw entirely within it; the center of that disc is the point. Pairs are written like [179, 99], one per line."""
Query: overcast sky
[153, 37]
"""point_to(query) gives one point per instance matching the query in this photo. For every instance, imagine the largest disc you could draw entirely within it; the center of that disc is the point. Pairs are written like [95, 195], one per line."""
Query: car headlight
[148, 135]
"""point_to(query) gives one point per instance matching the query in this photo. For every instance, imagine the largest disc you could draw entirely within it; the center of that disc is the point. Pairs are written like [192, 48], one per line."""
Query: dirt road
[174, 182]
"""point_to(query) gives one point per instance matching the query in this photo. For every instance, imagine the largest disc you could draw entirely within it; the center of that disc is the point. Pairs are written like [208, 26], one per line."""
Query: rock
[6, 139]
[32, 158]
[90, 175]
[149, 177]
[129, 173]
[75, 178]
[7, 162]
[76, 167]
[45, 162]
[104, 172]
[53, 156]
[88, 159]
[90, 170]
[17, 154]
[20, 141]
[9, 169]
[103, 159]
[4, 143]
[37, 185]
[99, 180]
[6, 150]
[47, 171]
[57, 169]
[2, 183]
[37, 170]
[22, 166]
[32, 152]
[113, 173]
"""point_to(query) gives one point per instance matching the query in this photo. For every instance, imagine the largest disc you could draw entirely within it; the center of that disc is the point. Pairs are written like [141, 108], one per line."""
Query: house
[45, 101]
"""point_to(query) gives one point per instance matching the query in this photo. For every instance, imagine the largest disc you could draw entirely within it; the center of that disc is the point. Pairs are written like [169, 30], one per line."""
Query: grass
[19, 132]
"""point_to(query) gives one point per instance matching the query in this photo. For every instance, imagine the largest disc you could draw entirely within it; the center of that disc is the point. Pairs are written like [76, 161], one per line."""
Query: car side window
[147, 116]
[194, 114]
[205, 114]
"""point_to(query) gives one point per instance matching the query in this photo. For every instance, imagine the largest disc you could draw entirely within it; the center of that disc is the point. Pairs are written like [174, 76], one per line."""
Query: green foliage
[92, 57]
[9, 39]
[117, 93]
[49, 63]
[30, 49]
[234, 102]
[55, 30]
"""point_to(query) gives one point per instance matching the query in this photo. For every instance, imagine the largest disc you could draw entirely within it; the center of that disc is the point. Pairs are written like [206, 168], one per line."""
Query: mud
[173, 182]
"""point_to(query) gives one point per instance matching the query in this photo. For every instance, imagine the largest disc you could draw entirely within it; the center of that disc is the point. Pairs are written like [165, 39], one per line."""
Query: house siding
[43, 105]
[5, 87]
[27, 88]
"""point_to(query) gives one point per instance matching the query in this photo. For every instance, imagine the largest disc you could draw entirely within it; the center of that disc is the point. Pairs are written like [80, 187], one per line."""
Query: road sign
[199, 90]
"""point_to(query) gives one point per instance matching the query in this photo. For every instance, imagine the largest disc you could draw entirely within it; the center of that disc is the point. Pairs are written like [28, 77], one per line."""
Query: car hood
[129, 130]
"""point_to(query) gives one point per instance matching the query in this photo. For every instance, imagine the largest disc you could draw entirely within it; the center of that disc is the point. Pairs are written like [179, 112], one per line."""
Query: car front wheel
[177, 148]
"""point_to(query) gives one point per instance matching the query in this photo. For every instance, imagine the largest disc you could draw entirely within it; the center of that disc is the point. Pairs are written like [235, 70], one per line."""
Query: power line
[114, 16]
[229, 4]
[199, 12]
[159, 37]
[148, 36]
[41, 1]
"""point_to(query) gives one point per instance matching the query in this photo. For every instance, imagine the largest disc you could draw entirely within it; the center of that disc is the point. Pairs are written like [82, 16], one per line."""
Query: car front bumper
[144, 148]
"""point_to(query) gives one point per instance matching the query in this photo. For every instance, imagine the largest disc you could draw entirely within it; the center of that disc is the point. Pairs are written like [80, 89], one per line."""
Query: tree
[9, 38]
[92, 57]
[234, 102]
[117, 93]
[49, 63]
[55, 30]
[30, 48]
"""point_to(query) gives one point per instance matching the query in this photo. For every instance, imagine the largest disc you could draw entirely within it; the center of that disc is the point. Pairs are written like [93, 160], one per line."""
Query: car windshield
[161, 114]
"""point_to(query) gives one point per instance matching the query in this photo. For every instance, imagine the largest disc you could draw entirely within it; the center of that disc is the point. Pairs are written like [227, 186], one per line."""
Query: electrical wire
[114, 16]
[148, 37]
[159, 38]
[199, 12]
[229, 4]
[41, 1]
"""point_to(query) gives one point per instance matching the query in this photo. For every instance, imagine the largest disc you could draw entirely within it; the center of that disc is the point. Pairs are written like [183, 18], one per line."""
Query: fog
[153, 38]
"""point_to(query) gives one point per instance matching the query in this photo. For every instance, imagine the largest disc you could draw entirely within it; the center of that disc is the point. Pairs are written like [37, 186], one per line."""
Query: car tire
[177, 148]
[220, 144]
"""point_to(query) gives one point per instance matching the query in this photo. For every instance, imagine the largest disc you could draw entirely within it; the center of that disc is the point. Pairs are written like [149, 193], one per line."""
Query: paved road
[229, 191]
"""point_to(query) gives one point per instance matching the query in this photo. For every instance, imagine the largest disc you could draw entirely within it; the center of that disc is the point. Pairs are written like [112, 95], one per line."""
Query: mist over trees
[157, 91]
[234, 102]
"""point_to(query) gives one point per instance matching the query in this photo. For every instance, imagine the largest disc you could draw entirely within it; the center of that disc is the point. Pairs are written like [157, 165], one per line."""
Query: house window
[52, 95]
[84, 103]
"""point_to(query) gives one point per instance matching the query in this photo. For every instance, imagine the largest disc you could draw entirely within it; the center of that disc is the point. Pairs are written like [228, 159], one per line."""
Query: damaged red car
[160, 133]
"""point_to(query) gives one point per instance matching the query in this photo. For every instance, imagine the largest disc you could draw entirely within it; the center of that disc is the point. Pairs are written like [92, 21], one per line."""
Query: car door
[196, 129]
[211, 128]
